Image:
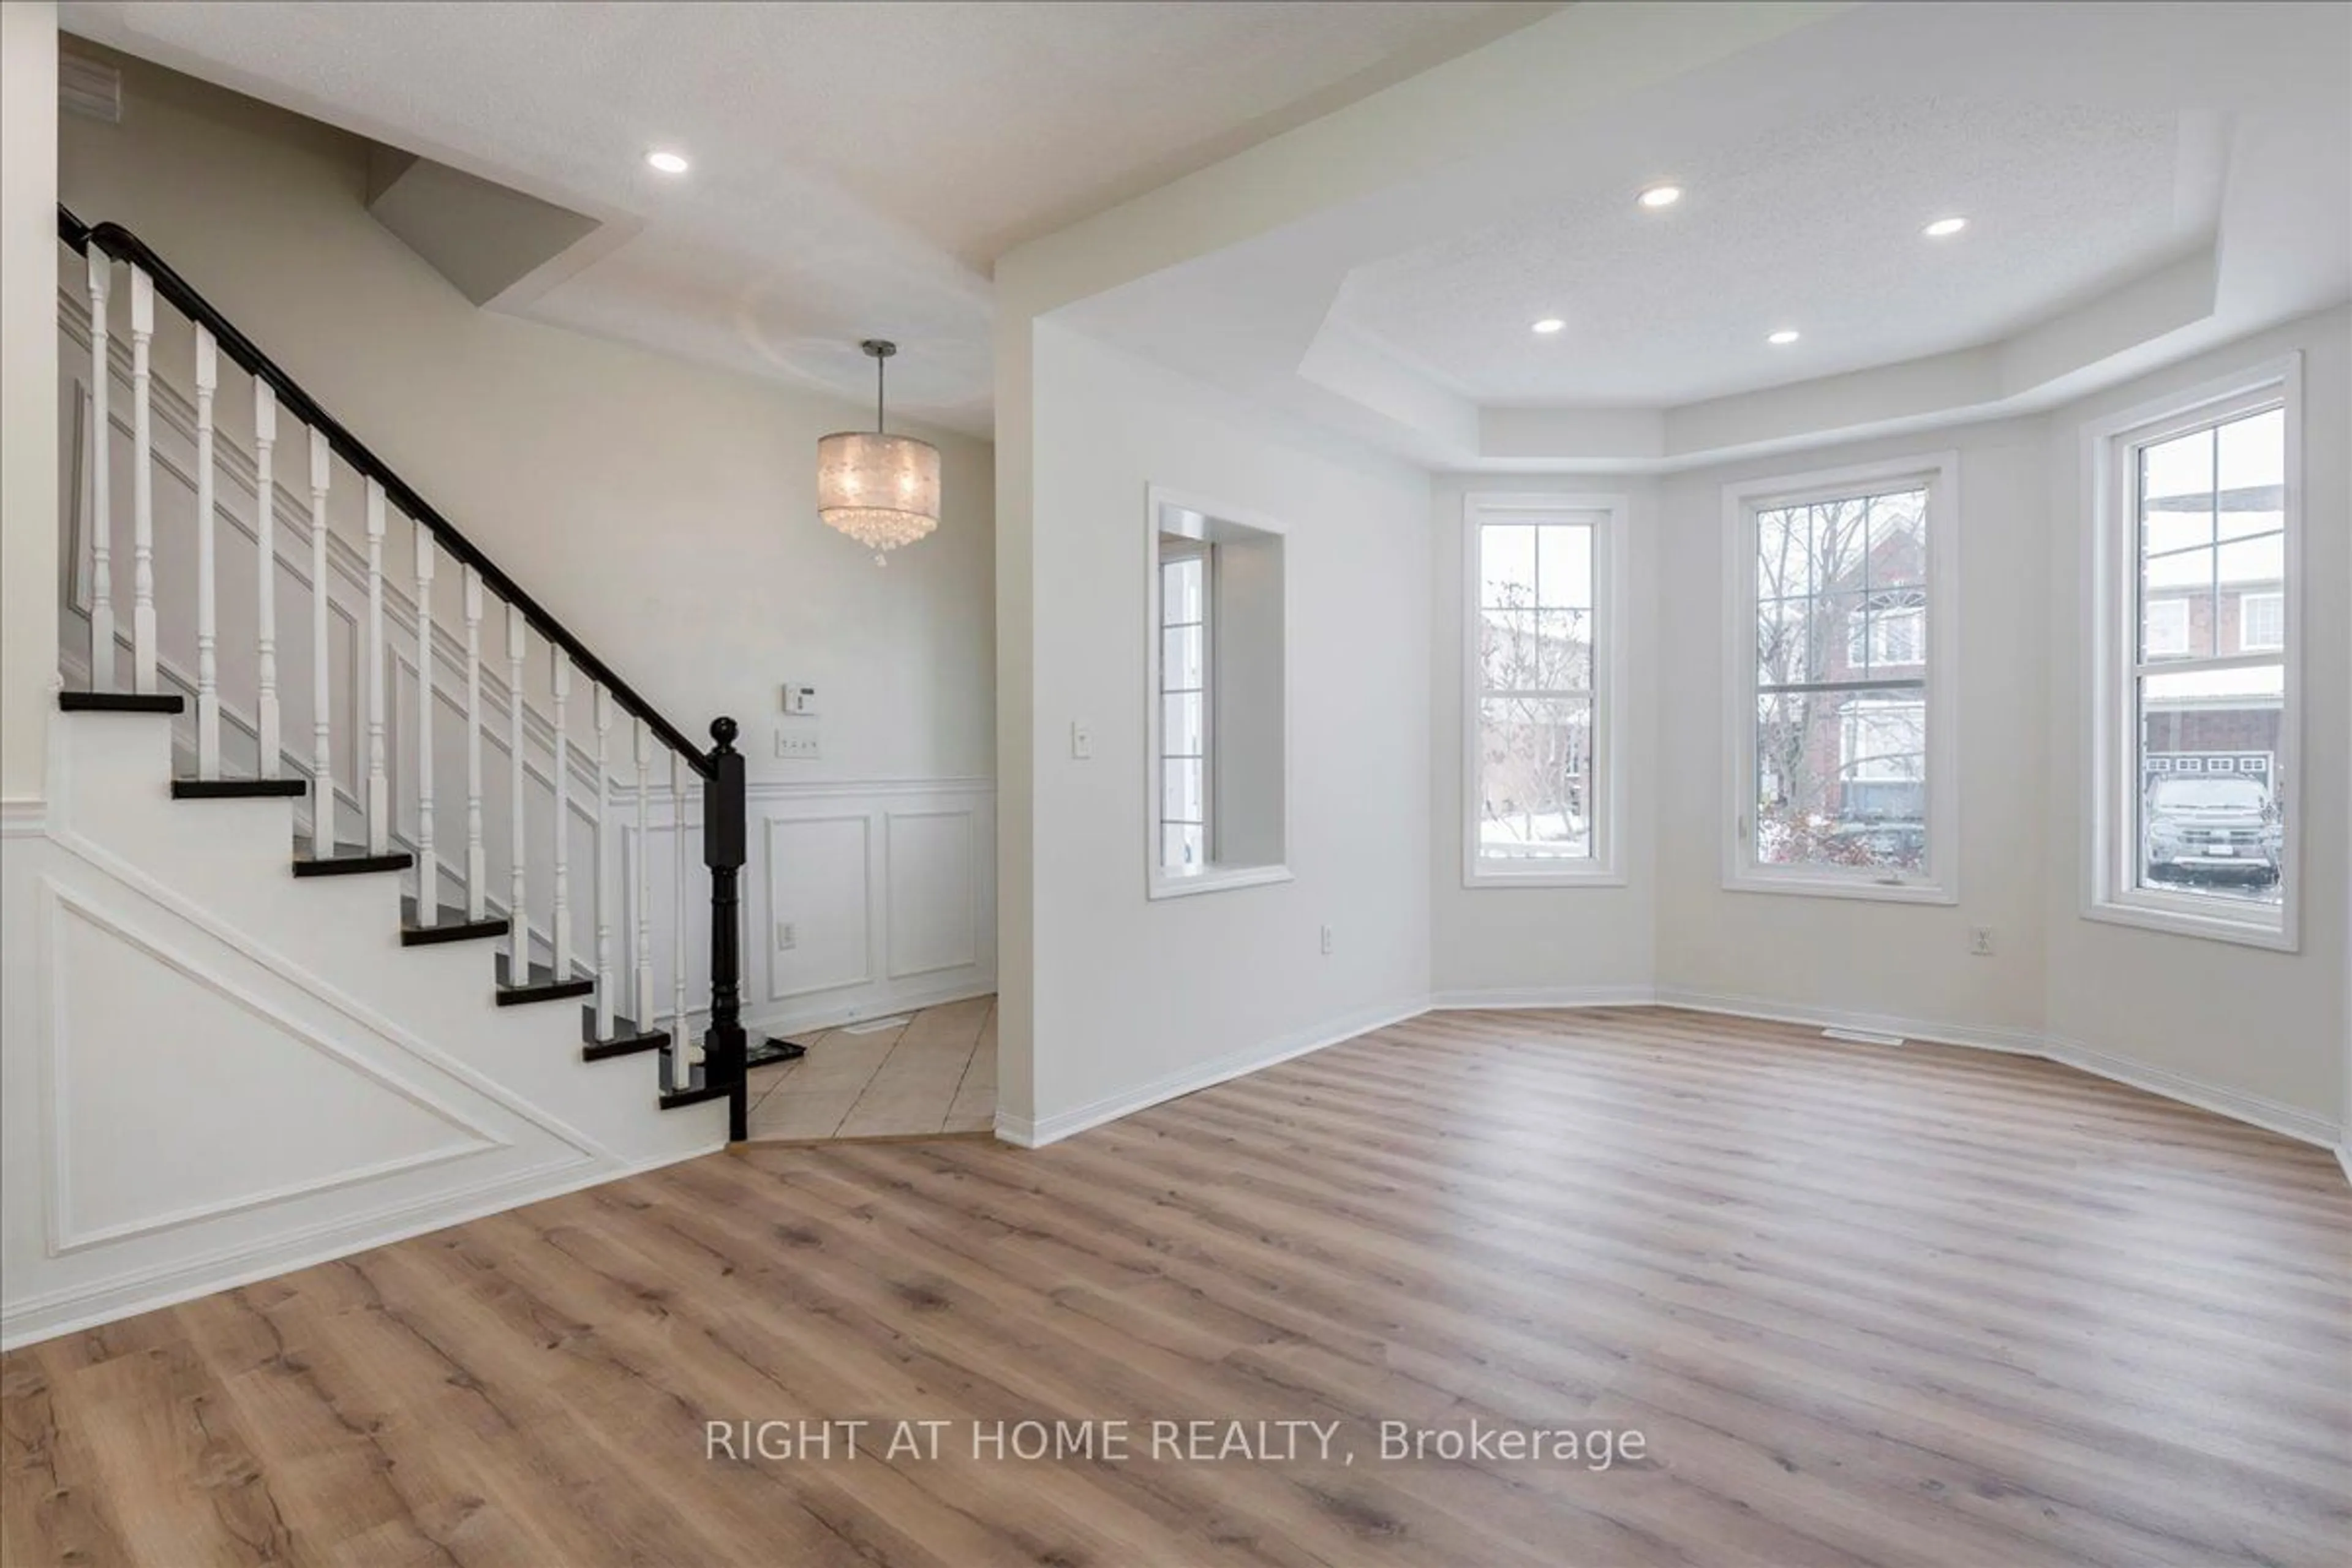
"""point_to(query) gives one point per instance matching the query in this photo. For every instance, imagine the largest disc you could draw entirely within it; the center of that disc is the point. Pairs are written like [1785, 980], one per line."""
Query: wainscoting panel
[935, 927]
[889, 887]
[818, 874]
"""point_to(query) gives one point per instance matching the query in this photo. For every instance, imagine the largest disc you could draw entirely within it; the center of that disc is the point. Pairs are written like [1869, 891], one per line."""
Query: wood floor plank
[1868, 1306]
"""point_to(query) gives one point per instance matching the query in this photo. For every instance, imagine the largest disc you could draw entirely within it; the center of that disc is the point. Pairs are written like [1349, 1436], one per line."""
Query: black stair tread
[449, 925]
[239, 789]
[628, 1039]
[342, 861]
[540, 984]
[120, 702]
[697, 1090]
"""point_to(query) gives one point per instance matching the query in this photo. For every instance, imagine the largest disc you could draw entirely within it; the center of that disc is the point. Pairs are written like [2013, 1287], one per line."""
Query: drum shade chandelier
[883, 490]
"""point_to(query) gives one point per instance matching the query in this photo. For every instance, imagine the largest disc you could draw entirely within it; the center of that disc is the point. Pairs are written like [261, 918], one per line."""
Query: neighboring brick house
[1860, 753]
[2224, 601]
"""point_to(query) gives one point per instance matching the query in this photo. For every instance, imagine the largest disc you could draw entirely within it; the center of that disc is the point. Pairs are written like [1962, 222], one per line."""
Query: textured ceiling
[856, 167]
[1815, 227]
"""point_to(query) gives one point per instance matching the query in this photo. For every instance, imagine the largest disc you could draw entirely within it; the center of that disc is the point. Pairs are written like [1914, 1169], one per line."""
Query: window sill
[1216, 880]
[1817, 887]
[1479, 880]
[2193, 923]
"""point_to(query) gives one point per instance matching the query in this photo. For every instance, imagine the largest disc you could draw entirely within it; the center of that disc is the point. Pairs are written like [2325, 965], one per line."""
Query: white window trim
[1939, 881]
[2111, 563]
[1204, 553]
[1605, 867]
[2173, 648]
[1159, 881]
[2245, 603]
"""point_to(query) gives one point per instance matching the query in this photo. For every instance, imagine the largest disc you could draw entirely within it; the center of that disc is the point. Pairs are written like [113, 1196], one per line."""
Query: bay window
[2194, 511]
[1541, 659]
[1839, 589]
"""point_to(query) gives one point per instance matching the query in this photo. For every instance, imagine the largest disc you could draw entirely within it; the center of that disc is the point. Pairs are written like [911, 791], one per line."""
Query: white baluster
[265, 554]
[101, 479]
[428, 862]
[642, 995]
[379, 788]
[604, 869]
[207, 589]
[322, 737]
[142, 484]
[685, 1053]
[477, 865]
[561, 686]
[517, 849]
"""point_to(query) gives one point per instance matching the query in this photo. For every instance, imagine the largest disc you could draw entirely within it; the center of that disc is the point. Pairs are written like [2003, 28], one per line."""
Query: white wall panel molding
[930, 883]
[369, 1020]
[817, 873]
[131, 946]
[126, 1192]
[47, 1314]
[888, 886]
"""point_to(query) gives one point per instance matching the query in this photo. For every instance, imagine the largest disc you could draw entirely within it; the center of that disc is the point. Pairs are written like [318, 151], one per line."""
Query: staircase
[312, 812]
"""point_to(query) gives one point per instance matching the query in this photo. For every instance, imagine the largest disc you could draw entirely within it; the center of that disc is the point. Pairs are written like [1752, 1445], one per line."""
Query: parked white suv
[2212, 828]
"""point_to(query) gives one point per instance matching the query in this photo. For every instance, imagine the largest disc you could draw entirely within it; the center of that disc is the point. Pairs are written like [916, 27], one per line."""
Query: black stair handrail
[124, 245]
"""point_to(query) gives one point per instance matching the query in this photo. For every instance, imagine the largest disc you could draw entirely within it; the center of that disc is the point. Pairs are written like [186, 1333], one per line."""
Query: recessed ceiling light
[1549, 325]
[1944, 228]
[1785, 335]
[1661, 196]
[667, 163]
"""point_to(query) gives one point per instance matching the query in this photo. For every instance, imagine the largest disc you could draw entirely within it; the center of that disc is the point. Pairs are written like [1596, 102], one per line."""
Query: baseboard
[1036, 1133]
[818, 1013]
[66, 1311]
[1504, 998]
[2238, 1106]
[1977, 1036]
[2284, 1120]
[2344, 1158]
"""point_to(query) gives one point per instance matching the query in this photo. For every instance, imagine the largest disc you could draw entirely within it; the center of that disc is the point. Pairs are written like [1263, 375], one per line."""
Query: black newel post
[722, 852]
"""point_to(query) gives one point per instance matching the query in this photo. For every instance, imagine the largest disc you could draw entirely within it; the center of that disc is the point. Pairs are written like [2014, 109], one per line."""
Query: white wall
[1909, 961]
[28, 427]
[1134, 1000]
[2268, 1026]
[664, 510]
[1498, 945]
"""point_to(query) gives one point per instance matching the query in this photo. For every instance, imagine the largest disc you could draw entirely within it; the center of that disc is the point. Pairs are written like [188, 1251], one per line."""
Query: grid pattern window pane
[1536, 675]
[1184, 712]
[1842, 655]
[2208, 685]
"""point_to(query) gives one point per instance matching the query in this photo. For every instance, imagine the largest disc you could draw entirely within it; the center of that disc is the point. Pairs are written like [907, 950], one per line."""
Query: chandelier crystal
[882, 490]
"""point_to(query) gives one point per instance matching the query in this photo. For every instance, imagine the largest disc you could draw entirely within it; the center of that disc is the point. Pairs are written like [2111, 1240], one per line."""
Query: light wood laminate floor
[933, 1072]
[1918, 1306]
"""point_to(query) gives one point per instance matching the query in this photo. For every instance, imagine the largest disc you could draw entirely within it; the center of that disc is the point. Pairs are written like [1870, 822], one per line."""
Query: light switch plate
[797, 740]
[1082, 743]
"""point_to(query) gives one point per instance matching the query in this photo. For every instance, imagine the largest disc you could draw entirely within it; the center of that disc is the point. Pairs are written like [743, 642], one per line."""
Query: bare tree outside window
[1841, 674]
[1535, 772]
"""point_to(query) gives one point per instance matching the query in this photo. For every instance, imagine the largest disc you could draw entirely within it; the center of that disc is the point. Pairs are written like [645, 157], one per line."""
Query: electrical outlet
[1327, 942]
[1980, 941]
[788, 936]
[797, 740]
